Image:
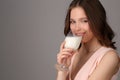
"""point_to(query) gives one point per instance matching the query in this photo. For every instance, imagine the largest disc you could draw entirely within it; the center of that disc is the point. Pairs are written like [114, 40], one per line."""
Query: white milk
[73, 42]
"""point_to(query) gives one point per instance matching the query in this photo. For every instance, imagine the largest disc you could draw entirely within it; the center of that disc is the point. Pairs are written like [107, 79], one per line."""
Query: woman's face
[79, 24]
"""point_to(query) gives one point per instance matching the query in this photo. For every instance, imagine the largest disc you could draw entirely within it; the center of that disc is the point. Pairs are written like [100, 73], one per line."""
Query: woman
[96, 59]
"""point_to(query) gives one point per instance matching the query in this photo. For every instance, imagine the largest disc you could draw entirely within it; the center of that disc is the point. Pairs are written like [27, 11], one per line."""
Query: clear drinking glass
[72, 41]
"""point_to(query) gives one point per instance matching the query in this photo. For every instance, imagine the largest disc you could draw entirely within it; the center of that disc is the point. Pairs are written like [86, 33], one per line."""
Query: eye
[84, 20]
[72, 22]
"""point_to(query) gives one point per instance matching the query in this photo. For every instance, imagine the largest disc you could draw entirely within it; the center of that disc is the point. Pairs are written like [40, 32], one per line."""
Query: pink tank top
[91, 64]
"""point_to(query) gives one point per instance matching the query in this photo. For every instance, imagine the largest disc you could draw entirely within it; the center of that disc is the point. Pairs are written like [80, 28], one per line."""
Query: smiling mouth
[80, 34]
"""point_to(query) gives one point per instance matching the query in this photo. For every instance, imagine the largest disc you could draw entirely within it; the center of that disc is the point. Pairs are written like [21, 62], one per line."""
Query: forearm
[62, 75]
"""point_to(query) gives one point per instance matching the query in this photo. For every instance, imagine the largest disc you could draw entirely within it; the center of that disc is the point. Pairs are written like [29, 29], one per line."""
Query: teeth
[79, 34]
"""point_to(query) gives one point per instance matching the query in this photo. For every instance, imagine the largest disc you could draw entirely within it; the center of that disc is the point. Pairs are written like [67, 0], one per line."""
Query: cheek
[88, 36]
[72, 29]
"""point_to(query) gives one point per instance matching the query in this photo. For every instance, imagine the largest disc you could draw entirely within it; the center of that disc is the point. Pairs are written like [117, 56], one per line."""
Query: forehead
[77, 12]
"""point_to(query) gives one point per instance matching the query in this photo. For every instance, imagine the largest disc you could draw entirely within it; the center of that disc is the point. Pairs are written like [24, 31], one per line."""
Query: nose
[78, 26]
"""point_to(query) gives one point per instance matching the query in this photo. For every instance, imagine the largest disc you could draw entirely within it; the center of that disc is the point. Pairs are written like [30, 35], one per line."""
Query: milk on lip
[73, 42]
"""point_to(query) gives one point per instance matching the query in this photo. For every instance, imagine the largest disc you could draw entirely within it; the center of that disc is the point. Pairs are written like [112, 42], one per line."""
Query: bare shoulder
[111, 57]
[111, 61]
[107, 67]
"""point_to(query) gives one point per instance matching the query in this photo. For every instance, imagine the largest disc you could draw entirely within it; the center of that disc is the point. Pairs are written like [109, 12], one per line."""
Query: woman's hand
[65, 55]
[64, 58]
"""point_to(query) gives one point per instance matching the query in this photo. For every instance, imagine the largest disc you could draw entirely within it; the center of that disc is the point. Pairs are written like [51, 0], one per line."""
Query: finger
[64, 53]
[62, 45]
[66, 61]
[67, 50]
[64, 56]
[61, 58]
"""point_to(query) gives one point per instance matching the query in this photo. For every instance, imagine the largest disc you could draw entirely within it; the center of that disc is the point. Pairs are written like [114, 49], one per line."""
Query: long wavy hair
[96, 15]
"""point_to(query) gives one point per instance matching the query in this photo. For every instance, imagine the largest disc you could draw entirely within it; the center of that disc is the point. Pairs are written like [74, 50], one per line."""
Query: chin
[84, 41]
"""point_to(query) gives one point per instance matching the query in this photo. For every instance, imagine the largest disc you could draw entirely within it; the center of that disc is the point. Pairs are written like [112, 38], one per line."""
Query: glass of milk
[72, 41]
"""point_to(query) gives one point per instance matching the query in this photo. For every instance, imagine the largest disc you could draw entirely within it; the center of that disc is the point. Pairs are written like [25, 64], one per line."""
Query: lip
[79, 34]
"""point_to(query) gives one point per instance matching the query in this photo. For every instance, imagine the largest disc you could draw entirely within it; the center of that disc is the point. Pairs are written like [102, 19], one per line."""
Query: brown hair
[97, 20]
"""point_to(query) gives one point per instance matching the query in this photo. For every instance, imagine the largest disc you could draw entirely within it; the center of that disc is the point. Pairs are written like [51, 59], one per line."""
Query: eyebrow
[80, 18]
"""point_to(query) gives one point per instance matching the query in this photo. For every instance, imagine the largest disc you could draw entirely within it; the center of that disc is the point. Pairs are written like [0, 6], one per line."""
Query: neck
[92, 45]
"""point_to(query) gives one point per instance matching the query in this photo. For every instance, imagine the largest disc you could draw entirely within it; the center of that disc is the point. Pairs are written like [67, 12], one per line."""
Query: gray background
[31, 32]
